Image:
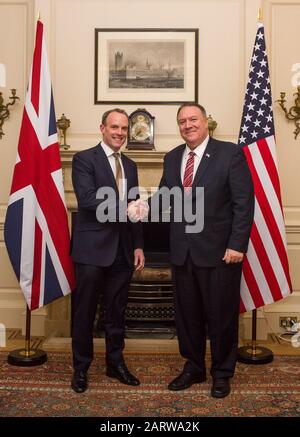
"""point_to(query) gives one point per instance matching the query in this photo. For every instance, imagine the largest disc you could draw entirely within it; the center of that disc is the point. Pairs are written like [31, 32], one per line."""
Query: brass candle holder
[4, 111]
[294, 112]
[63, 123]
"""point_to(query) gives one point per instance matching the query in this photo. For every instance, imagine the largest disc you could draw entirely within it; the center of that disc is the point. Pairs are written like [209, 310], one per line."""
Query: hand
[139, 259]
[233, 256]
[133, 211]
[137, 210]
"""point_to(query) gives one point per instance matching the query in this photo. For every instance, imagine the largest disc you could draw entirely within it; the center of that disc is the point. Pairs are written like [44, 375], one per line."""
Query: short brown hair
[193, 104]
[106, 114]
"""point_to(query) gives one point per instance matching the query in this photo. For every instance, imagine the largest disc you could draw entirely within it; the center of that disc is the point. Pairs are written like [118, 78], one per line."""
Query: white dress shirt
[199, 152]
[111, 159]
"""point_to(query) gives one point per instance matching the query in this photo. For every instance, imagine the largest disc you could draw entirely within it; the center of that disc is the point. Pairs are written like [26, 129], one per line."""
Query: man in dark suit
[106, 252]
[207, 264]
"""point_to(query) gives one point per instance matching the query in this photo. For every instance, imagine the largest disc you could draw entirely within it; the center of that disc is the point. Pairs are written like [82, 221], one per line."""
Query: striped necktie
[188, 172]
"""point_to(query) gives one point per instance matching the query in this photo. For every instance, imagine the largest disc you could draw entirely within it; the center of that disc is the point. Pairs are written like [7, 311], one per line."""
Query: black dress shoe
[79, 381]
[185, 380]
[220, 388]
[121, 373]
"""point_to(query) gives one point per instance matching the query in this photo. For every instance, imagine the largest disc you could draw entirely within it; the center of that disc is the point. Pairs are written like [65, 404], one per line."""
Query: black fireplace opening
[156, 244]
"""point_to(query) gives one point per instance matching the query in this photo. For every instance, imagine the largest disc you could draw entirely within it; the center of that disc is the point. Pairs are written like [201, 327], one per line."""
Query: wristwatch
[141, 130]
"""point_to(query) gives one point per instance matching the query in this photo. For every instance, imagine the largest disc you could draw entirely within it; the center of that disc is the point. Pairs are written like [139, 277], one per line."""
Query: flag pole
[254, 354]
[27, 357]
[259, 15]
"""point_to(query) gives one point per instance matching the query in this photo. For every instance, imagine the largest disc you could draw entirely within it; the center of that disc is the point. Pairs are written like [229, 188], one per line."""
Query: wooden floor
[15, 340]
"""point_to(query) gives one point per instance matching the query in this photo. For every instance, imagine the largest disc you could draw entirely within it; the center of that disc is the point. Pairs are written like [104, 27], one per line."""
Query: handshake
[137, 210]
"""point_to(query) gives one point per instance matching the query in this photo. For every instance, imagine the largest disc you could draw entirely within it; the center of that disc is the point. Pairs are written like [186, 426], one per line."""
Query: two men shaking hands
[207, 182]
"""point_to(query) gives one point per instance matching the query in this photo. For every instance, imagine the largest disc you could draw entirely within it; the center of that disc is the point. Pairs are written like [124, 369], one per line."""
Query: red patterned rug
[263, 390]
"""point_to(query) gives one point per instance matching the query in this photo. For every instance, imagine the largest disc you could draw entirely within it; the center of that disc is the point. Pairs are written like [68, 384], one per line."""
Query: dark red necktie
[188, 172]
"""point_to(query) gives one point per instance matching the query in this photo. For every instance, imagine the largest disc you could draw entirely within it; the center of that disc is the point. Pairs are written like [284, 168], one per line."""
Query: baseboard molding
[268, 317]
[13, 313]
[131, 345]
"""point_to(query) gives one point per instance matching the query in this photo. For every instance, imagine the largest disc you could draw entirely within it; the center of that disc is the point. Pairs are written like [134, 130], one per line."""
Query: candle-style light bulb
[2, 76]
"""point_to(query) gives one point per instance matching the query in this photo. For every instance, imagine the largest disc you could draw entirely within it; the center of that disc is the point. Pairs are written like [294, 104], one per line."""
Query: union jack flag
[265, 276]
[36, 228]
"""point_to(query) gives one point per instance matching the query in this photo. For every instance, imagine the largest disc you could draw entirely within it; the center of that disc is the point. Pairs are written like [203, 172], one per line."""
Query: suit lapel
[207, 158]
[177, 164]
[104, 165]
[127, 172]
[125, 166]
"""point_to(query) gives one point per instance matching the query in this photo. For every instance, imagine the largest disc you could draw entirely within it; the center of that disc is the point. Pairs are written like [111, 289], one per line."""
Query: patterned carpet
[265, 390]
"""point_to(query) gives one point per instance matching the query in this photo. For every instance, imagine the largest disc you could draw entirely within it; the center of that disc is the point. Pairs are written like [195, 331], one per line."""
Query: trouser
[207, 297]
[113, 282]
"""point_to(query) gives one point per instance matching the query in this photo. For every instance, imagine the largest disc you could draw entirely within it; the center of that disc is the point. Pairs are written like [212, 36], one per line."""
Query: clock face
[140, 131]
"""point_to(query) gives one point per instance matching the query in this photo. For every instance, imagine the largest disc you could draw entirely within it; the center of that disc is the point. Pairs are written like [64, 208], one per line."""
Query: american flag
[36, 228]
[265, 276]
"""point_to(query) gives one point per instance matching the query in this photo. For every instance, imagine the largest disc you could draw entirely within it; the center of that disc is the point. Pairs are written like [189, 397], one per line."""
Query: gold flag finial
[259, 15]
[39, 16]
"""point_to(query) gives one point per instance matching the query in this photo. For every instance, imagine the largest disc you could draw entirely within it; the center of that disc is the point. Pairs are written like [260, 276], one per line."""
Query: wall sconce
[294, 112]
[212, 124]
[63, 123]
[4, 111]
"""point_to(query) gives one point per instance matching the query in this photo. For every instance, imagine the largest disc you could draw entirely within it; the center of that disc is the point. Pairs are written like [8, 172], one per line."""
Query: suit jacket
[228, 204]
[93, 242]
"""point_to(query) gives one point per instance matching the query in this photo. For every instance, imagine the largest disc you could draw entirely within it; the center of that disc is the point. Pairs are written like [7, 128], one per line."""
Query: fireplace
[150, 307]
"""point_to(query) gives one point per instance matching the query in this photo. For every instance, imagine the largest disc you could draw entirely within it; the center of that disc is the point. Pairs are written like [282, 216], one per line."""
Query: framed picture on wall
[150, 66]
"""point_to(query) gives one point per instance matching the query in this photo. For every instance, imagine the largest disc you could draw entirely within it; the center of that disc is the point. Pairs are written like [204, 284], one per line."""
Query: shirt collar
[199, 150]
[107, 150]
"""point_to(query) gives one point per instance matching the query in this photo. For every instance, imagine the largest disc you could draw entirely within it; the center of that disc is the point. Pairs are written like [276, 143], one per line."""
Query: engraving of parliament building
[129, 75]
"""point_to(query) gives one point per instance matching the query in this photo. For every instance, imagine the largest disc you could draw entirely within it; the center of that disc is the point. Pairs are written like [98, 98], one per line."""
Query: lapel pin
[207, 154]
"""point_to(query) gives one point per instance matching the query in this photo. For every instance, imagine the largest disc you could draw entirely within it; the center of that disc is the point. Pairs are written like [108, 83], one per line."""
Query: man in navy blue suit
[105, 253]
[207, 263]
